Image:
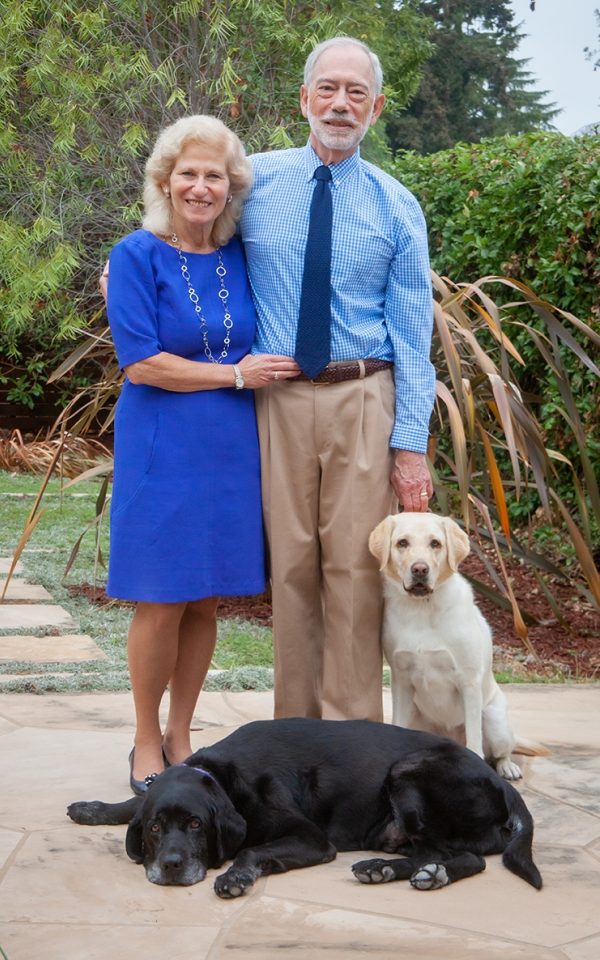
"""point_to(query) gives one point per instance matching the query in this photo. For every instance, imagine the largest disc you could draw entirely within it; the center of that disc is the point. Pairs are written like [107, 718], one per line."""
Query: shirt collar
[339, 171]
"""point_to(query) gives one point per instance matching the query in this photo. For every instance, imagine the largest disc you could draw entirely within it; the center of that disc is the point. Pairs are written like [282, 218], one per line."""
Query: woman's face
[199, 188]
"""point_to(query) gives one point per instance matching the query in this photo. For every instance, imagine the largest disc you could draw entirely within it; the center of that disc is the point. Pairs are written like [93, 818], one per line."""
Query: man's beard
[337, 138]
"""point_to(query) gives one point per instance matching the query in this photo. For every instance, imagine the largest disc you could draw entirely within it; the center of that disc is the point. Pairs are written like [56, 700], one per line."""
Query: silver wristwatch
[239, 380]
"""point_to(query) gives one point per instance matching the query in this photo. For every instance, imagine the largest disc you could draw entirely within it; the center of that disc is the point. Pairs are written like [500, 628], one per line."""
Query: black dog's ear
[134, 841]
[230, 830]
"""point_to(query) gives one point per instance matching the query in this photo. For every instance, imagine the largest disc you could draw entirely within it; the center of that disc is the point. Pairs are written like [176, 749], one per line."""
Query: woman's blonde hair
[209, 132]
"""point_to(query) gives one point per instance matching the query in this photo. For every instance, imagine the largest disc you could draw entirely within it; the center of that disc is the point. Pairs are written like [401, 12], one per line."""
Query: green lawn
[243, 650]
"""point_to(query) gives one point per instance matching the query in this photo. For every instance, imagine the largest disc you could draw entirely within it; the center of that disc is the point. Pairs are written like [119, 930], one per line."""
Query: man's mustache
[340, 118]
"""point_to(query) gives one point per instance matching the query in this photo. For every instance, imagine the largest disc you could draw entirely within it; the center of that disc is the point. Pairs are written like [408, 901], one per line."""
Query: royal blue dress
[185, 517]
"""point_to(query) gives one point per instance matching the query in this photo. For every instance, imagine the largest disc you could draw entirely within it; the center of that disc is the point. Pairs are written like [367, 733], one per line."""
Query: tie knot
[322, 173]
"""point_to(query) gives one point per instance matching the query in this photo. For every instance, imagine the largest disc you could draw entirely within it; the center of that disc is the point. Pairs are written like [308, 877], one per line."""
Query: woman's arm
[132, 312]
[170, 372]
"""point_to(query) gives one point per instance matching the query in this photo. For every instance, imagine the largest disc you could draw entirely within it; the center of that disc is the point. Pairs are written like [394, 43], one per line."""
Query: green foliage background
[86, 87]
[526, 207]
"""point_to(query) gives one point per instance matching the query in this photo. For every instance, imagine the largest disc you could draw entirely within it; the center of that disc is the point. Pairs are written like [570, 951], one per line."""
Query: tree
[473, 86]
[594, 55]
[87, 85]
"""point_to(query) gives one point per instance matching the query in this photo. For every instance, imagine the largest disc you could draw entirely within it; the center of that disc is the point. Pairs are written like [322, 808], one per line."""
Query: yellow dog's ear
[380, 541]
[457, 543]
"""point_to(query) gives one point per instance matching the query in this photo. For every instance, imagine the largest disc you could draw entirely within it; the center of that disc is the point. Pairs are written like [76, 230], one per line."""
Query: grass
[243, 657]
[243, 652]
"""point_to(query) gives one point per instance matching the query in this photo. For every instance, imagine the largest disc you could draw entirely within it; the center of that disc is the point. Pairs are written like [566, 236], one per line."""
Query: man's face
[340, 102]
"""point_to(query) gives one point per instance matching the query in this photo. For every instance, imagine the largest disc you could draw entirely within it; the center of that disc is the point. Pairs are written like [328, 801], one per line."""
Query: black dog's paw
[431, 876]
[235, 882]
[88, 812]
[373, 871]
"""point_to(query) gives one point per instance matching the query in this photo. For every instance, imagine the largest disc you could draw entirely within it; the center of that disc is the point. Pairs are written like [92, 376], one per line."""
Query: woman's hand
[103, 282]
[265, 369]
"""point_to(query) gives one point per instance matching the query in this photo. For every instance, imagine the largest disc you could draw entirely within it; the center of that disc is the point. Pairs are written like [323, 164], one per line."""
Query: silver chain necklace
[195, 301]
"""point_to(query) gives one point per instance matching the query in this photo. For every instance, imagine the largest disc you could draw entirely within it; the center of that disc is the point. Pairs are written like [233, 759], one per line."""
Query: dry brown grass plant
[487, 447]
[19, 454]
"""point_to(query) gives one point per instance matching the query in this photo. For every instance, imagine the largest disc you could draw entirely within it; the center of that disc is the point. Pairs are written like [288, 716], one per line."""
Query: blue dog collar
[198, 770]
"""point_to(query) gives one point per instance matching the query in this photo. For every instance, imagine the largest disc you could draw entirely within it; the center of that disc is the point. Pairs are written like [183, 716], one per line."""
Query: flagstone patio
[70, 893]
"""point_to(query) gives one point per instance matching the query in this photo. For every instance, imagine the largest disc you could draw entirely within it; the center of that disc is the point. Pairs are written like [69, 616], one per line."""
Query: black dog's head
[185, 824]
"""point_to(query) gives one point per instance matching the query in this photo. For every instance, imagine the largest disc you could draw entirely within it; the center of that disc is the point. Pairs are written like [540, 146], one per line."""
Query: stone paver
[28, 616]
[274, 927]
[25, 608]
[66, 648]
[69, 892]
[19, 590]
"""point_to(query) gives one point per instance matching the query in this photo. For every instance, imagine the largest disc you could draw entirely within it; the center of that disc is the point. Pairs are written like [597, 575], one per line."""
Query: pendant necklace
[195, 301]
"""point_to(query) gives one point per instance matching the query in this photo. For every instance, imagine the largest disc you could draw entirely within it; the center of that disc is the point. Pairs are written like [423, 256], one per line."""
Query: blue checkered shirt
[381, 298]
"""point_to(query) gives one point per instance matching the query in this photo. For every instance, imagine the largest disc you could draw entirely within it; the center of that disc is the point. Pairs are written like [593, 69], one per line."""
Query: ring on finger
[424, 495]
[276, 375]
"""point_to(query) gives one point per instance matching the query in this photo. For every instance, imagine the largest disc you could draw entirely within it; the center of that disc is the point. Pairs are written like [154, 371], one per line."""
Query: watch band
[238, 378]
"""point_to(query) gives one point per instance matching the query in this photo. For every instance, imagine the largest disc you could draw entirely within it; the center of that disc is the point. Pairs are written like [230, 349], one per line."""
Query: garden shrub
[528, 208]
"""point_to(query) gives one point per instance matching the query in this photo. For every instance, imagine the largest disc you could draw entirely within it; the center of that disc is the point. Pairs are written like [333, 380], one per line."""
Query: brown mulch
[567, 650]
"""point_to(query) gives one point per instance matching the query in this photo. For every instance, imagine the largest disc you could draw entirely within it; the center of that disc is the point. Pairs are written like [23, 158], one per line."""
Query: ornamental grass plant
[493, 465]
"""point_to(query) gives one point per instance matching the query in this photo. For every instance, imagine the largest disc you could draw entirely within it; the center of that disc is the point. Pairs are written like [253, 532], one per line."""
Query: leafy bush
[526, 208]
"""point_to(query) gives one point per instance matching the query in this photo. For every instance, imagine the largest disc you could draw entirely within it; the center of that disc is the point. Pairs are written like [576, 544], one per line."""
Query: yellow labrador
[436, 641]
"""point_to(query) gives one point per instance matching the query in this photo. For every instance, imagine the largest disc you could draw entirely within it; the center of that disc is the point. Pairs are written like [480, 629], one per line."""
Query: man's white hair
[341, 42]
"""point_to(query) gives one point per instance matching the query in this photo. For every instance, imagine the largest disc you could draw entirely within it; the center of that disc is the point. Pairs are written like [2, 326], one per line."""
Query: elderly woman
[186, 515]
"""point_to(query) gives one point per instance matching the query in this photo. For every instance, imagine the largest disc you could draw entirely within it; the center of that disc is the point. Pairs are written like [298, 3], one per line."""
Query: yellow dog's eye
[436, 544]
[402, 543]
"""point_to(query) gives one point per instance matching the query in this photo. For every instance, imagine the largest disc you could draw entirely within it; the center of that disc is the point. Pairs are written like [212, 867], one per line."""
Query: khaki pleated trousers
[326, 464]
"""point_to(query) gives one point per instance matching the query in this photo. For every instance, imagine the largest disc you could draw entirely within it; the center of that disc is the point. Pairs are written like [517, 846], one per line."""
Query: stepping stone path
[28, 606]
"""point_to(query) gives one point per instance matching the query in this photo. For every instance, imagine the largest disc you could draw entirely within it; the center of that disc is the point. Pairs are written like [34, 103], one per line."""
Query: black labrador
[281, 794]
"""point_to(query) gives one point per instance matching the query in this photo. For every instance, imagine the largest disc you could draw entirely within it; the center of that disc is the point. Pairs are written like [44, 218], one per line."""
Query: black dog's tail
[517, 855]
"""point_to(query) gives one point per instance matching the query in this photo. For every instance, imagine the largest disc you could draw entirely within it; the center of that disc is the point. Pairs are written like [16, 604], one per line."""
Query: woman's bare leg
[152, 649]
[197, 637]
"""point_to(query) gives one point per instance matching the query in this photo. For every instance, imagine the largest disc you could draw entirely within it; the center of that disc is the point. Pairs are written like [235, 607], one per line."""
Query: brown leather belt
[341, 370]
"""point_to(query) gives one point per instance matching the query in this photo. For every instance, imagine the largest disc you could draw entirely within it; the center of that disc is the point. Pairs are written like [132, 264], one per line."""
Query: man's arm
[409, 322]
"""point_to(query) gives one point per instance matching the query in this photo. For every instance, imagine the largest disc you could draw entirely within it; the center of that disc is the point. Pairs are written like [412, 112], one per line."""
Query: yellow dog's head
[419, 550]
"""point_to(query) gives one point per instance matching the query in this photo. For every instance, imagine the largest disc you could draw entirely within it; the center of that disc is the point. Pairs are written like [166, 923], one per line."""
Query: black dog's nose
[172, 862]
[419, 570]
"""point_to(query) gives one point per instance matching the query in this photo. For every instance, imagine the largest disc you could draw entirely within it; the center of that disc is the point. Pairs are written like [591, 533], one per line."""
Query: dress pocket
[135, 456]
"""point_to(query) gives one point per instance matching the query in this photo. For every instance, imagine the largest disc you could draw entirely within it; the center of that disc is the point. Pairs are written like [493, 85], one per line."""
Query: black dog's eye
[155, 828]
[195, 824]
[436, 544]
[402, 543]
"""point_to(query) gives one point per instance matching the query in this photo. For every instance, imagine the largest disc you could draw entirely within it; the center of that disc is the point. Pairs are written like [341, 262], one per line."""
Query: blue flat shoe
[139, 787]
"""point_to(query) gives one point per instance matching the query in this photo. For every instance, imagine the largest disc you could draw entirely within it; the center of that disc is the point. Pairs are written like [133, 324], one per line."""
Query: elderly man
[338, 263]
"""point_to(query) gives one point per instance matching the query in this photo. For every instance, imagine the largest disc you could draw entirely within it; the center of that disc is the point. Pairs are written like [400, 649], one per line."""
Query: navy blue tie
[313, 339]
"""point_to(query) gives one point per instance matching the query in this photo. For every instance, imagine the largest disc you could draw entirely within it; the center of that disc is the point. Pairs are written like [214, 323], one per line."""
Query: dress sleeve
[132, 303]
